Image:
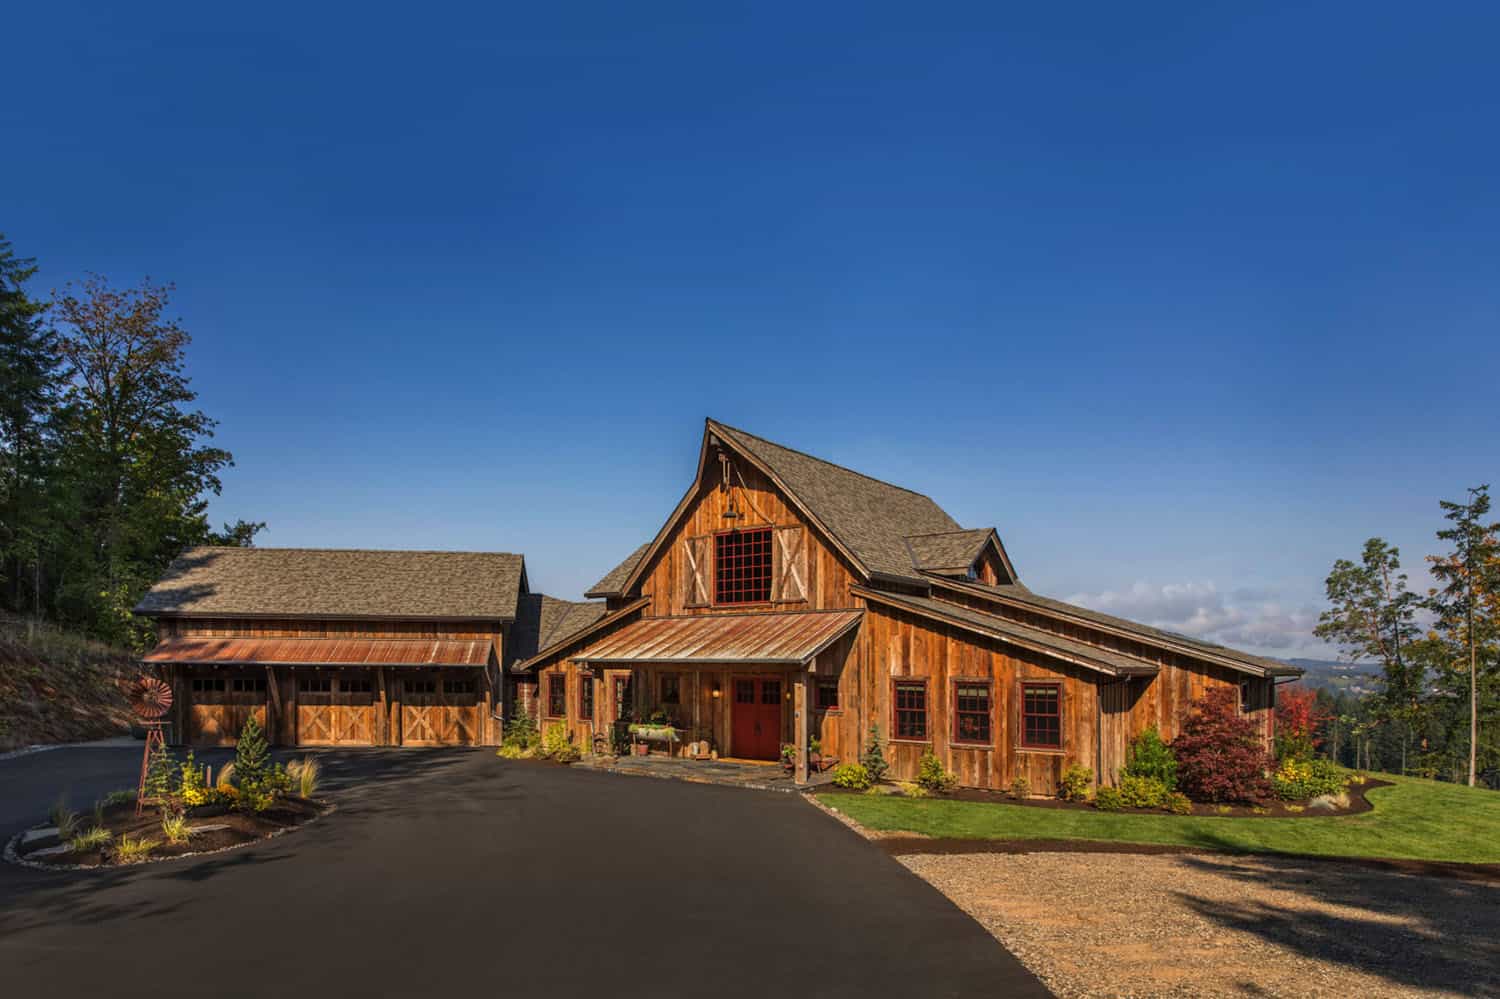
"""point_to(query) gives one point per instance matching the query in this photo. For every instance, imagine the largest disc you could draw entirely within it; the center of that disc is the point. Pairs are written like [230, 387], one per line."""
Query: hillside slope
[58, 687]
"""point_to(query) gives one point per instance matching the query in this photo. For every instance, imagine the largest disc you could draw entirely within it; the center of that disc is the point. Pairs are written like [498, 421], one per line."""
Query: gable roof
[612, 585]
[543, 621]
[1016, 595]
[562, 639]
[952, 551]
[338, 583]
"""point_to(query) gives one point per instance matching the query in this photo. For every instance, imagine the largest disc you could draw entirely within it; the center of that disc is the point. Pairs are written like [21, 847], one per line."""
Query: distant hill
[1352, 677]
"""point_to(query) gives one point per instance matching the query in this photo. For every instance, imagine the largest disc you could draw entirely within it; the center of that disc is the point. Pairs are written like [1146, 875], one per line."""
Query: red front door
[757, 718]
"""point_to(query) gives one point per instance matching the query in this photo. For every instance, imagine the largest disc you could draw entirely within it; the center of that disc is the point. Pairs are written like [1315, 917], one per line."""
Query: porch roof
[765, 639]
[322, 652]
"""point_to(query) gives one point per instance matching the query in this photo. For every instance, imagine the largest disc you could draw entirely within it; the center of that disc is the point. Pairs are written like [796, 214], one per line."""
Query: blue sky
[1186, 302]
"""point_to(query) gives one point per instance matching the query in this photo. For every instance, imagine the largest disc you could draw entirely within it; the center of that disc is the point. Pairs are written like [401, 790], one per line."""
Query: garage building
[332, 647]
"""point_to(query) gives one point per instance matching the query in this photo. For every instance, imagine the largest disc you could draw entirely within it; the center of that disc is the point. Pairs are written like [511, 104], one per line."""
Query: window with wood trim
[557, 695]
[909, 707]
[314, 683]
[248, 684]
[586, 698]
[205, 684]
[1247, 703]
[971, 711]
[419, 686]
[1041, 716]
[351, 684]
[671, 688]
[827, 697]
[459, 686]
[742, 566]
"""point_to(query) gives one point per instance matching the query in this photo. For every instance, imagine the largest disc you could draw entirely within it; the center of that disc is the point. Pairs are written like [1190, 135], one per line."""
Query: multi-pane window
[744, 691]
[557, 695]
[671, 690]
[910, 698]
[1041, 716]
[203, 684]
[356, 683]
[770, 692]
[971, 711]
[314, 683]
[248, 684]
[586, 698]
[414, 686]
[827, 695]
[458, 686]
[742, 566]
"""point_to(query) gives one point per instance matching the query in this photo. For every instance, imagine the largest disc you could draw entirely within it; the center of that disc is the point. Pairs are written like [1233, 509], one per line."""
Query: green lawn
[1415, 819]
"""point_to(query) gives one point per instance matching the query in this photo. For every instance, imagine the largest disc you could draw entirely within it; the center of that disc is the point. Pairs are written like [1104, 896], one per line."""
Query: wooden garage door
[335, 707]
[220, 702]
[440, 709]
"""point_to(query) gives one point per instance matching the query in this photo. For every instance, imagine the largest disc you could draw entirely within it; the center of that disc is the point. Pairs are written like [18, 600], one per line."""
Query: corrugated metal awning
[768, 639]
[323, 651]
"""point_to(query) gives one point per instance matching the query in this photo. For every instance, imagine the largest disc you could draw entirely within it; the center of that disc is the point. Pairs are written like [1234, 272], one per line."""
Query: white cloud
[1252, 620]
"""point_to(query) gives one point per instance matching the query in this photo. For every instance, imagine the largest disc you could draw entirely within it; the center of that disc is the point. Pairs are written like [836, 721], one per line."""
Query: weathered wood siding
[905, 646]
[669, 577]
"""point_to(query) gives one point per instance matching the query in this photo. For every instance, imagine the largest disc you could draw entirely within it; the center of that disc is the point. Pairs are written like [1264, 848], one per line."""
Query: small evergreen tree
[874, 757]
[161, 773]
[521, 732]
[252, 757]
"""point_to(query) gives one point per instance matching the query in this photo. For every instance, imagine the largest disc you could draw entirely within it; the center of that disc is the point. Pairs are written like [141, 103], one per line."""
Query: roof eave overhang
[178, 615]
[802, 660]
[525, 666]
[1108, 669]
[1239, 665]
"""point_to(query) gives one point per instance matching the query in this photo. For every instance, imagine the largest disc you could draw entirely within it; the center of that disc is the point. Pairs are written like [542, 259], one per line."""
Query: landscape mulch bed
[121, 820]
[1358, 803]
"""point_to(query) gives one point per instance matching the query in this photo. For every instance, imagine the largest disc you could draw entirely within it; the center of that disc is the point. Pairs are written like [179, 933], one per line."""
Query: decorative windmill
[150, 699]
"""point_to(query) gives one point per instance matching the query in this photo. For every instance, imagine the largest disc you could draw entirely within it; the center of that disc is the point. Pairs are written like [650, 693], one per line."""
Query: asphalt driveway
[449, 872]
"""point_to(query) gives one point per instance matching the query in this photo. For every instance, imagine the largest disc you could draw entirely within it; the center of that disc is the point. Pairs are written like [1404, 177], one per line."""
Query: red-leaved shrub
[1219, 753]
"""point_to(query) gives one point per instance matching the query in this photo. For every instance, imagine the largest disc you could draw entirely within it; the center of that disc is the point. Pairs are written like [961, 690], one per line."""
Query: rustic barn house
[787, 598]
[334, 648]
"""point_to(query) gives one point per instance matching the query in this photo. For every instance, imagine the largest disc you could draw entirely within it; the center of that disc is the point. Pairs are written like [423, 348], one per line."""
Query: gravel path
[1210, 925]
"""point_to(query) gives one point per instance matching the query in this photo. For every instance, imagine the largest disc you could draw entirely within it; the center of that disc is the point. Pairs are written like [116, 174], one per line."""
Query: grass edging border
[897, 844]
[12, 854]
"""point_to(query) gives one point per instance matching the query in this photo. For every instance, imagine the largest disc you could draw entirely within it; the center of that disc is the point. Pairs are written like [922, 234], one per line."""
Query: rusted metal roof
[772, 639]
[323, 651]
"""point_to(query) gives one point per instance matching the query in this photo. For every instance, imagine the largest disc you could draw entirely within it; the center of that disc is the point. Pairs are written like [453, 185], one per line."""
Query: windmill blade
[150, 698]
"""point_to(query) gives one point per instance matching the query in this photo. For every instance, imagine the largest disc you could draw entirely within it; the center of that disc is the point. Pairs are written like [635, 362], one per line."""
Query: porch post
[799, 723]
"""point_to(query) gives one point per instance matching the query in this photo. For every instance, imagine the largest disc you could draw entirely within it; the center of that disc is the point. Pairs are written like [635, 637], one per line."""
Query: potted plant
[789, 756]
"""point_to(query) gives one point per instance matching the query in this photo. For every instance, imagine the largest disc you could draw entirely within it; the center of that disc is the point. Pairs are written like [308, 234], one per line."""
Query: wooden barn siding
[761, 504]
[1165, 699]
[280, 718]
[901, 646]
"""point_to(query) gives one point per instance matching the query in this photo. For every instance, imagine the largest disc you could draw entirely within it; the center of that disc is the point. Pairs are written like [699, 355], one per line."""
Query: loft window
[586, 698]
[421, 686]
[557, 695]
[313, 683]
[355, 684]
[828, 695]
[204, 684]
[971, 711]
[742, 566]
[671, 691]
[1041, 716]
[458, 686]
[910, 699]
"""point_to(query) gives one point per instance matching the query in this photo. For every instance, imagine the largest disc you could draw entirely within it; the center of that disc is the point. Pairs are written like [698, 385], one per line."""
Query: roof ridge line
[825, 461]
[361, 551]
[944, 534]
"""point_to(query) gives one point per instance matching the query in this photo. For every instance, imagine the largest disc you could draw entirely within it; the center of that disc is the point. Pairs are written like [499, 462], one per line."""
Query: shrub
[1143, 792]
[1298, 720]
[304, 774]
[511, 751]
[193, 784]
[854, 776]
[90, 840]
[225, 780]
[1109, 799]
[933, 776]
[1299, 780]
[873, 758]
[521, 732]
[63, 817]
[133, 849]
[1020, 788]
[1179, 804]
[124, 796]
[912, 789]
[1219, 753]
[1075, 783]
[556, 744]
[1150, 757]
[175, 828]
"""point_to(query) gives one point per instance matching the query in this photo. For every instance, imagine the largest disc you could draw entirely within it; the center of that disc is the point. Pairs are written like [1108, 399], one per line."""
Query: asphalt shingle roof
[869, 517]
[613, 580]
[543, 621]
[338, 583]
[948, 552]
